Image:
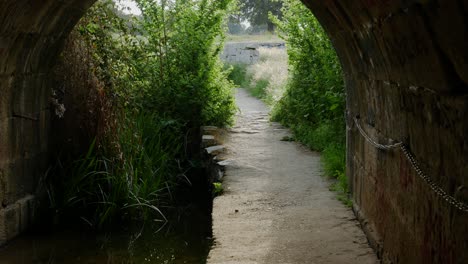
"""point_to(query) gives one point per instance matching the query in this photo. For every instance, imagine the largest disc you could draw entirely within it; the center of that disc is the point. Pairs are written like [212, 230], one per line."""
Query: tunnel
[405, 66]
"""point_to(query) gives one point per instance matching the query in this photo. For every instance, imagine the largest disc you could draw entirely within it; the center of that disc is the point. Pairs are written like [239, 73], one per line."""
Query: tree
[256, 11]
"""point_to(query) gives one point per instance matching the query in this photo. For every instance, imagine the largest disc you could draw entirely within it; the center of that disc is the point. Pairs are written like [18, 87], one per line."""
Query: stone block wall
[31, 36]
[245, 53]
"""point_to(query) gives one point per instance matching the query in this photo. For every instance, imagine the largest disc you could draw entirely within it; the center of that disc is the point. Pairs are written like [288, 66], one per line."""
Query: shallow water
[185, 239]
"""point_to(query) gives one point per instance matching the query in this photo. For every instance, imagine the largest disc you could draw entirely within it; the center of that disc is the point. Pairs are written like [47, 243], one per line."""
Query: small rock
[219, 175]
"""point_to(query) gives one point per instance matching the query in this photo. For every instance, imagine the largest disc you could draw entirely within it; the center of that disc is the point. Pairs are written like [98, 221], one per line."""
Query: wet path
[276, 207]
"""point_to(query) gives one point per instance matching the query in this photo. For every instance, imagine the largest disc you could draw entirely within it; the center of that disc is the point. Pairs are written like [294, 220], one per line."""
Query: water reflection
[185, 239]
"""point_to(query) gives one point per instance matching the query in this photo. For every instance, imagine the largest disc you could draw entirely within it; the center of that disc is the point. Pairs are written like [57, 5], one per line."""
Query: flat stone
[214, 149]
[225, 162]
[209, 129]
[208, 140]
[208, 137]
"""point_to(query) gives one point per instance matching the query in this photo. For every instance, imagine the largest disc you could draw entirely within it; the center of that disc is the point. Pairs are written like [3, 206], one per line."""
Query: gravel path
[276, 207]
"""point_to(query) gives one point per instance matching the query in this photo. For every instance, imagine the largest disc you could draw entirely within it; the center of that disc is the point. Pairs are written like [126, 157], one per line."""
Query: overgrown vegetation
[314, 102]
[148, 83]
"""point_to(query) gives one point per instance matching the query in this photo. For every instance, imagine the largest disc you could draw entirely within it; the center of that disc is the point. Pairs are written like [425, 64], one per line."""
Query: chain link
[438, 190]
[377, 145]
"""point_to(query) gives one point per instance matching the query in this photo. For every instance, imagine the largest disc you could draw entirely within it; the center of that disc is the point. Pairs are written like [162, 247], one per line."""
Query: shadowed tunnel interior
[406, 72]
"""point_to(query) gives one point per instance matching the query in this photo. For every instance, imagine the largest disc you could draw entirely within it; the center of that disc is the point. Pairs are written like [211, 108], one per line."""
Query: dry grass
[273, 67]
[264, 38]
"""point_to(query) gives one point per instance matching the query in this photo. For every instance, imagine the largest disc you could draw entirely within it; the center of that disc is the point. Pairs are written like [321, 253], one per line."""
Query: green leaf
[333, 107]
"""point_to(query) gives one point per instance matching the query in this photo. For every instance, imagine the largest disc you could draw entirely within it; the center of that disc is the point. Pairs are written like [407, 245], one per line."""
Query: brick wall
[405, 65]
[31, 36]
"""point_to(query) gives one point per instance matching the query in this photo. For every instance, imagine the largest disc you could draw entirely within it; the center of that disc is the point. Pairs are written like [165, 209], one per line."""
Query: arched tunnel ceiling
[402, 41]
[418, 36]
[406, 71]
[31, 32]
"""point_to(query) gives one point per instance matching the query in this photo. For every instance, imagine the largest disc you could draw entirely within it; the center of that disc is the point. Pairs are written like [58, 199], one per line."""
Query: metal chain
[438, 190]
[377, 145]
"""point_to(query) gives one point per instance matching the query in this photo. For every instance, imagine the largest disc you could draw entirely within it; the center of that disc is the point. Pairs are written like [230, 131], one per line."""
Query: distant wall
[245, 52]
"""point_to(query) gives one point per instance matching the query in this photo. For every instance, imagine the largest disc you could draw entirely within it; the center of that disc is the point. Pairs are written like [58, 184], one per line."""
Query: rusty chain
[414, 163]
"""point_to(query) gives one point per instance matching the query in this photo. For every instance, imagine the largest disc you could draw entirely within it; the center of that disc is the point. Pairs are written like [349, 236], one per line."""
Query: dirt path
[276, 207]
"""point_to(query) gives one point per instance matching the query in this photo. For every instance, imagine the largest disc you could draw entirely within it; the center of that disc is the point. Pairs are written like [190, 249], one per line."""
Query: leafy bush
[259, 88]
[314, 102]
[238, 74]
[162, 78]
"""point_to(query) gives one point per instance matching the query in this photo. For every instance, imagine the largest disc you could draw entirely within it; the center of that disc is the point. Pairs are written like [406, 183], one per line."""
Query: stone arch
[406, 76]
[406, 73]
[31, 36]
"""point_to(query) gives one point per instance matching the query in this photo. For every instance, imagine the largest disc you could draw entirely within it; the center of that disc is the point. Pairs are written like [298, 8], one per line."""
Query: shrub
[238, 74]
[161, 78]
[314, 102]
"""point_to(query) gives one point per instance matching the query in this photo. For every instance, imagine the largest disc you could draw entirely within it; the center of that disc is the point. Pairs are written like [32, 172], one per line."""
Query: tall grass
[271, 73]
[128, 181]
[262, 38]
[265, 79]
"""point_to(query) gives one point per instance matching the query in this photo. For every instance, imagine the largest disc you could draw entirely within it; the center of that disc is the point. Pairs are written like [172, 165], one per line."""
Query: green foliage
[170, 62]
[314, 102]
[316, 90]
[334, 155]
[241, 78]
[132, 182]
[164, 77]
[341, 188]
[110, 184]
[185, 39]
[259, 88]
[217, 188]
[238, 75]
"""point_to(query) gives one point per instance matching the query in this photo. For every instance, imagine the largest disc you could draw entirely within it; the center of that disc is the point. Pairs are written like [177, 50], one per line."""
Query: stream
[185, 238]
